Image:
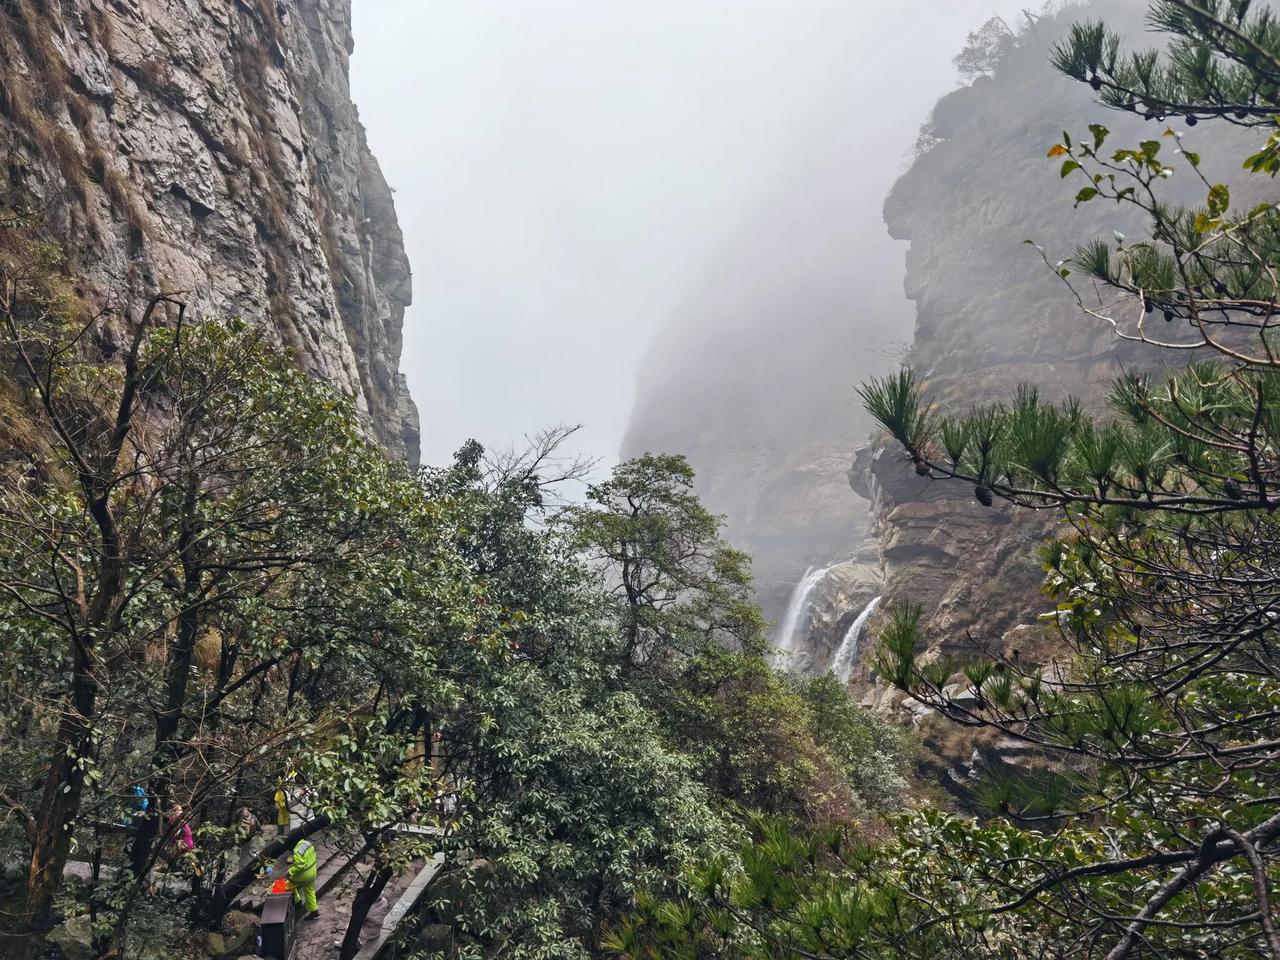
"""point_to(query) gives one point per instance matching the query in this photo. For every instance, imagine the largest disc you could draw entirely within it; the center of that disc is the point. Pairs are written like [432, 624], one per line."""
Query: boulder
[74, 937]
[961, 694]
[237, 933]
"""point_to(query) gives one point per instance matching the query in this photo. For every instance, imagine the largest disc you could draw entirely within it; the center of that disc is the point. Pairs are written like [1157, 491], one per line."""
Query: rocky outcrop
[991, 316]
[972, 567]
[212, 148]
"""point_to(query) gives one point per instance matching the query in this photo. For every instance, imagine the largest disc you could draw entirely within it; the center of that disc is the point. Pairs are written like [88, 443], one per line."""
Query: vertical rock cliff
[212, 148]
[990, 316]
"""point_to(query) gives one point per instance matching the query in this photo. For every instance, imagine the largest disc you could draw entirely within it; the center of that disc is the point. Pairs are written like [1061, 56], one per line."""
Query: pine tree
[1162, 724]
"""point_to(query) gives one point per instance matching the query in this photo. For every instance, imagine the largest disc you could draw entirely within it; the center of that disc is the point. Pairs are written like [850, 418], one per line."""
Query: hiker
[302, 874]
[282, 811]
[292, 807]
[137, 806]
[371, 929]
[246, 828]
[182, 844]
[299, 797]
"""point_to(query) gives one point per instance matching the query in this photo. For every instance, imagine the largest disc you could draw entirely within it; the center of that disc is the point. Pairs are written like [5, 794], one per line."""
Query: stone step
[328, 873]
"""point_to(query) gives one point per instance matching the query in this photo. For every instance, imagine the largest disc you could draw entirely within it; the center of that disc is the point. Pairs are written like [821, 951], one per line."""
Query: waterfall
[847, 655]
[797, 607]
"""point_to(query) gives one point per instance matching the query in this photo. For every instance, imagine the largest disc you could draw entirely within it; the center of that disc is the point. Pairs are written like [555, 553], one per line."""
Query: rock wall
[211, 147]
[990, 315]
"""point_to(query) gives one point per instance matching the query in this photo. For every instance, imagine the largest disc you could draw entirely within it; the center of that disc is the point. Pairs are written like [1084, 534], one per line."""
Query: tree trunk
[59, 805]
[91, 625]
[167, 748]
[366, 897]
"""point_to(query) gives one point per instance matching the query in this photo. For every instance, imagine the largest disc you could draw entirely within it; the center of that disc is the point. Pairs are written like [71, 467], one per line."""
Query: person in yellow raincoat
[302, 875]
[282, 812]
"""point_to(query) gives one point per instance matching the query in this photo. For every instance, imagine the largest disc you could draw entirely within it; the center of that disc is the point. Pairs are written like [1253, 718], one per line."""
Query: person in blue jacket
[137, 806]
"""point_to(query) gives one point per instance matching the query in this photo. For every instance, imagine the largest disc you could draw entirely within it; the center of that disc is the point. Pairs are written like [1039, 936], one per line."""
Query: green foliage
[203, 530]
[1040, 454]
[577, 704]
[1219, 61]
[895, 656]
[895, 402]
[679, 590]
[1148, 738]
[787, 746]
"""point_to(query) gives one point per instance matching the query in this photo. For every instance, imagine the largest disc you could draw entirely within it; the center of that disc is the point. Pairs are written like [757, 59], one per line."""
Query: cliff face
[991, 316]
[212, 148]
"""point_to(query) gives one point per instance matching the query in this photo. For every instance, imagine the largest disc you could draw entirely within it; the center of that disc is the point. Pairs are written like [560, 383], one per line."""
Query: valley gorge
[927, 612]
[989, 316]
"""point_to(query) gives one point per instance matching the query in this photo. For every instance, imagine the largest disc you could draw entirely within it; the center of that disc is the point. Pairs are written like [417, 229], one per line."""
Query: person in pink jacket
[183, 843]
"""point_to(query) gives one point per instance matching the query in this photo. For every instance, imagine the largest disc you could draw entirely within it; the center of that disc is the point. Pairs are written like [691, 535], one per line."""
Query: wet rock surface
[213, 149]
[843, 593]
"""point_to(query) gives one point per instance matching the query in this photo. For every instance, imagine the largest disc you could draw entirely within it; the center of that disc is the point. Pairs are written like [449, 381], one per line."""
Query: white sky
[564, 169]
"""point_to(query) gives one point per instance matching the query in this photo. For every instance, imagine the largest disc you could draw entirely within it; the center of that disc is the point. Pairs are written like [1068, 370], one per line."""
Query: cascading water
[797, 607]
[847, 655]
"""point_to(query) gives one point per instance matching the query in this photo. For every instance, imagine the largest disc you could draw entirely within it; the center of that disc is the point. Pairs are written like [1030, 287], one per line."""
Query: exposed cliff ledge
[213, 148]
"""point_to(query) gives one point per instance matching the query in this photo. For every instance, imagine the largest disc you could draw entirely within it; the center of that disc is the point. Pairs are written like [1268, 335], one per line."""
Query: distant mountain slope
[753, 378]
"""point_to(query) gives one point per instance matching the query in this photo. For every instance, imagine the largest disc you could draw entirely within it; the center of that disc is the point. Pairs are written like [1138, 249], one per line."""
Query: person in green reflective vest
[302, 874]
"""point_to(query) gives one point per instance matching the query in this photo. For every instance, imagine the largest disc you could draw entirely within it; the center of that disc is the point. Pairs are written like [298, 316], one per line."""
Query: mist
[569, 174]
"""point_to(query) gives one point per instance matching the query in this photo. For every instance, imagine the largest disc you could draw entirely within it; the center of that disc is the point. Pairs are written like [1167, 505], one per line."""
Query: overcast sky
[565, 170]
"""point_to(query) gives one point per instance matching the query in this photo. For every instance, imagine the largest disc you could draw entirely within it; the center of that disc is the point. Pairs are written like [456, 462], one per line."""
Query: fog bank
[567, 171]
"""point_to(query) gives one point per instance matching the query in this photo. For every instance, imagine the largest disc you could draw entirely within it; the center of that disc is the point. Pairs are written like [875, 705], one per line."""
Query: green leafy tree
[678, 589]
[177, 531]
[586, 777]
[790, 747]
[564, 798]
[691, 643]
